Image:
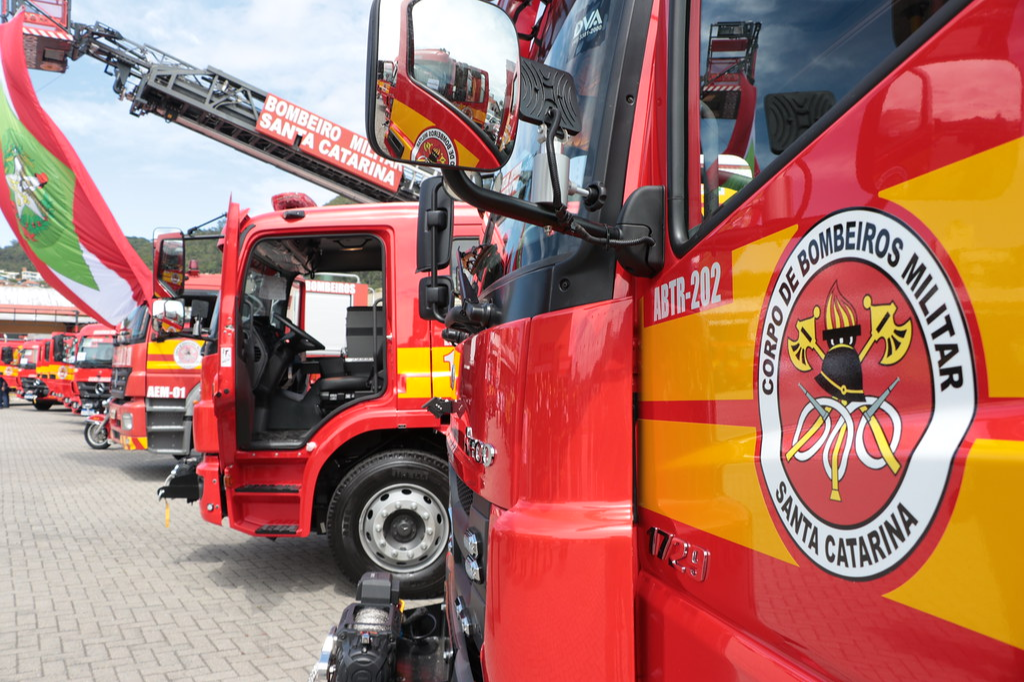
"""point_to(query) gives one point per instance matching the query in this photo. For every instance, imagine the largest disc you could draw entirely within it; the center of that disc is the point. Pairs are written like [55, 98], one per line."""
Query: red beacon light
[291, 200]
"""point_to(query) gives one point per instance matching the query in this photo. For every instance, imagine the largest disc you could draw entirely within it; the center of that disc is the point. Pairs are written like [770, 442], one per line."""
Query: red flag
[53, 206]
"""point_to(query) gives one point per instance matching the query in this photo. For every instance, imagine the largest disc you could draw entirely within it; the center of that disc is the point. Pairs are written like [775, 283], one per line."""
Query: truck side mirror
[168, 265]
[168, 316]
[452, 98]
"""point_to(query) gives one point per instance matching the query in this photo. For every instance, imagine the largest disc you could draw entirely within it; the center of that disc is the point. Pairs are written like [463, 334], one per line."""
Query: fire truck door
[824, 465]
[224, 393]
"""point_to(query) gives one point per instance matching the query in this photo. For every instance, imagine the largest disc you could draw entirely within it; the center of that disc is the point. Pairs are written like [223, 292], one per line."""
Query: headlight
[126, 421]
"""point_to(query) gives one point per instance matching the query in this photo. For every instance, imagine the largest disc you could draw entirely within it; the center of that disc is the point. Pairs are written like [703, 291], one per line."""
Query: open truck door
[214, 417]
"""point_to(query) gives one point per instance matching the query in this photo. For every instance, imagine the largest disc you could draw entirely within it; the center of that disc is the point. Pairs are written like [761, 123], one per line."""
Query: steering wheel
[309, 343]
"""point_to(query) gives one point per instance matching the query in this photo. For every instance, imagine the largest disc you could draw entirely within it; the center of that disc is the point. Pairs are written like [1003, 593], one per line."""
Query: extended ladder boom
[207, 101]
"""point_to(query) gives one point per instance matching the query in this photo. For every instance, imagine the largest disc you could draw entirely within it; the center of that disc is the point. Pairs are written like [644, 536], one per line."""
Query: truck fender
[191, 399]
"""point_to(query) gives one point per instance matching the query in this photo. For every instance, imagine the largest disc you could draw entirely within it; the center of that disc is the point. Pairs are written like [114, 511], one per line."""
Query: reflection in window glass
[770, 70]
[581, 40]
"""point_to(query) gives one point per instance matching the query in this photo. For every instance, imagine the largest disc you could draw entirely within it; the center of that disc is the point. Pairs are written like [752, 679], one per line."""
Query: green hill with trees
[13, 258]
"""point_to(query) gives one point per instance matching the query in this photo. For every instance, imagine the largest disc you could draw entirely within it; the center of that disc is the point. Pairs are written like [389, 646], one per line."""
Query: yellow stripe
[164, 364]
[129, 443]
[167, 346]
[982, 234]
[414, 363]
[973, 578]
[423, 380]
[680, 363]
[443, 370]
[705, 475]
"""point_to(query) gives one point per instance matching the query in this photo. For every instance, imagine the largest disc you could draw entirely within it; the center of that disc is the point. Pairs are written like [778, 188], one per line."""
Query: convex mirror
[168, 316]
[168, 265]
[442, 83]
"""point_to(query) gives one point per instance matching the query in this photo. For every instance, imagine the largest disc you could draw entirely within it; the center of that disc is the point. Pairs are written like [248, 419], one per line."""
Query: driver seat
[340, 389]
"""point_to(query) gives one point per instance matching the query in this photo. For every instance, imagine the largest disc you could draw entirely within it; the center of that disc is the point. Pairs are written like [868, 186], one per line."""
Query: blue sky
[154, 174]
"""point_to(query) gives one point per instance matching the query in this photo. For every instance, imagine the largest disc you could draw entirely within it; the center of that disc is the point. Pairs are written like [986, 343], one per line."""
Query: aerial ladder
[727, 86]
[207, 101]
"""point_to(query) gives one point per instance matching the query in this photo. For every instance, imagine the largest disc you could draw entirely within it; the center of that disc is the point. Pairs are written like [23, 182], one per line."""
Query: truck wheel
[390, 513]
[96, 435]
[41, 405]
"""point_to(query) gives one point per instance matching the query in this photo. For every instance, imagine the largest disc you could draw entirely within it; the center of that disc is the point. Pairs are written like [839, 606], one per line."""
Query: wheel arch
[365, 445]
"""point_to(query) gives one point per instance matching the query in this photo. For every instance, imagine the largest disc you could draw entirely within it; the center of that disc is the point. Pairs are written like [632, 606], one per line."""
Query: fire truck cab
[311, 417]
[93, 368]
[10, 354]
[752, 397]
[38, 367]
[155, 378]
[60, 376]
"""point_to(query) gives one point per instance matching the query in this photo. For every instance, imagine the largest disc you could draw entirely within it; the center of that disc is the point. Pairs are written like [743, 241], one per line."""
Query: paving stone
[93, 586]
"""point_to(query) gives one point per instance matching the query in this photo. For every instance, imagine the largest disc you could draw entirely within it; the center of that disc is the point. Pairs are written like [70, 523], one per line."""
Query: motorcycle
[97, 431]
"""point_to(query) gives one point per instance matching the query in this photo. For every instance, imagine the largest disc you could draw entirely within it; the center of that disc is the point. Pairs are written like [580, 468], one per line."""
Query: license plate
[30, 396]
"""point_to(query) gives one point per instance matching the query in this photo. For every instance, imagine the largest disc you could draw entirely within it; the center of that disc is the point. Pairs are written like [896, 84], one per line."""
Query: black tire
[96, 435]
[42, 405]
[376, 520]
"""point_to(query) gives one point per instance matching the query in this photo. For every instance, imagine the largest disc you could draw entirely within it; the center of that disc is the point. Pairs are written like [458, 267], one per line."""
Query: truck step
[165, 408]
[268, 489]
[277, 530]
[165, 451]
[165, 428]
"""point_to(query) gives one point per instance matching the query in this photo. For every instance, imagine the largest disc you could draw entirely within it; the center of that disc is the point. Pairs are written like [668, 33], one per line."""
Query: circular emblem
[187, 355]
[434, 146]
[866, 387]
[62, 372]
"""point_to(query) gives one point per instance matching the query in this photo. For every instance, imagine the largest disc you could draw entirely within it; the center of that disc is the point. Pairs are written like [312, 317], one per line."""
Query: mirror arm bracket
[460, 186]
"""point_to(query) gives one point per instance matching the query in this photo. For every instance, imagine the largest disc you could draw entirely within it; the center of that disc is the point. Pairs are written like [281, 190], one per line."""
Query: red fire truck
[310, 418]
[772, 433]
[39, 363]
[60, 374]
[155, 377]
[10, 354]
[24, 353]
[93, 368]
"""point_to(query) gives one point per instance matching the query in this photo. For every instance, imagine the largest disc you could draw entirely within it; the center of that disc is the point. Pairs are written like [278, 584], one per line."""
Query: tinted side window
[770, 70]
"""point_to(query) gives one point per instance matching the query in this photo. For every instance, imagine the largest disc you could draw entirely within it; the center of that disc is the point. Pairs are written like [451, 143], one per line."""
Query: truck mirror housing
[169, 265]
[435, 297]
[434, 248]
[434, 231]
[438, 97]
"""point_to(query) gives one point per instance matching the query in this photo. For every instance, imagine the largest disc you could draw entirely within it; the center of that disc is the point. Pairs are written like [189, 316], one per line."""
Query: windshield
[265, 293]
[577, 38]
[95, 353]
[135, 327]
[28, 357]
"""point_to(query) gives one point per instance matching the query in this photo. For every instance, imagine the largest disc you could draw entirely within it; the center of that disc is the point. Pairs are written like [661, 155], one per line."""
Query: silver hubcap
[404, 528]
[97, 434]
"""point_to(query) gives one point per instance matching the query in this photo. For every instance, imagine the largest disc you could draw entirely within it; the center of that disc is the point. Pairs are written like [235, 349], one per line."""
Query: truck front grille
[119, 382]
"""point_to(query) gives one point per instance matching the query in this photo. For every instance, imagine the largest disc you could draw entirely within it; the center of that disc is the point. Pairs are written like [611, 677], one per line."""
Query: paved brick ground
[94, 587]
